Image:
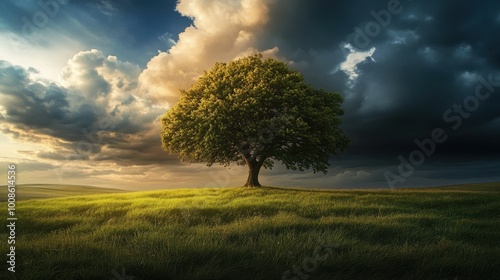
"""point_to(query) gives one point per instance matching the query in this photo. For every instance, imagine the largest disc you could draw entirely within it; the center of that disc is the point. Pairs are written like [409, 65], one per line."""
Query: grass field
[266, 233]
[34, 191]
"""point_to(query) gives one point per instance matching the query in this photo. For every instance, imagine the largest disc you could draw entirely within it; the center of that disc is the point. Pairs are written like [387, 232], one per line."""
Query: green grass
[239, 233]
[476, 187]
[38, 191]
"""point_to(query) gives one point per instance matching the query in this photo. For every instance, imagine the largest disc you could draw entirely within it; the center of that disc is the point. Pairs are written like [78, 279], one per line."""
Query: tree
[252, 112]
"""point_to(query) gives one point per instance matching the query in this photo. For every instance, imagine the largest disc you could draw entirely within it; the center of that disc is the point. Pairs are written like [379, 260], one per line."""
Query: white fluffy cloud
[222, 30]
[104, 81]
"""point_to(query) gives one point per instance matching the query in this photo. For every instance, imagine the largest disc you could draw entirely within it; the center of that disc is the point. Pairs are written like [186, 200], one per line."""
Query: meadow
[261, 233]
[34, 191]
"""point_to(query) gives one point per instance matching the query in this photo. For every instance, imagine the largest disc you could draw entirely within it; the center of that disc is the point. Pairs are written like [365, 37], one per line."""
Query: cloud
[350, 65]
[429, 57]
[222, 30]
[402, 36]
[167, 39]
[93, 113]
[97, 116]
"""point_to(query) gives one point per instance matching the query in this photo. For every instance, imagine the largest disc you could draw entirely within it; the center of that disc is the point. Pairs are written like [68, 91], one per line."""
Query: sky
[83, 85]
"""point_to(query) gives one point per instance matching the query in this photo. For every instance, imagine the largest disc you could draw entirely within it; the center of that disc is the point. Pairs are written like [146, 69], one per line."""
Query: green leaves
[255, 110]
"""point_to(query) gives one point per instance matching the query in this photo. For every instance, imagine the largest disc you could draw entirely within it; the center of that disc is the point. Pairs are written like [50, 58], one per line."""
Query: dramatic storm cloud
[82, 91]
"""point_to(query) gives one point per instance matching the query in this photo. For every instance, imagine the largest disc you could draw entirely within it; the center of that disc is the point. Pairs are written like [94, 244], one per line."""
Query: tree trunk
[253, 174]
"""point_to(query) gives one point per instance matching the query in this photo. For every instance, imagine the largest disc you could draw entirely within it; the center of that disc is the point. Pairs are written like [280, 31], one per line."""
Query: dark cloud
[302, 26]
[44, 108]
[428, 58]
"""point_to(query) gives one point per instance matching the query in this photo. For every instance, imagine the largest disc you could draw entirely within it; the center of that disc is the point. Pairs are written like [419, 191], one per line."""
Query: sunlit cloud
[222, 30]
[20, 50]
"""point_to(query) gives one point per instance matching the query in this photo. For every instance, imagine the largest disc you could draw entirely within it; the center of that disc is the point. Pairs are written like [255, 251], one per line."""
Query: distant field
[493, 187]
[265, 233]
[37, 191]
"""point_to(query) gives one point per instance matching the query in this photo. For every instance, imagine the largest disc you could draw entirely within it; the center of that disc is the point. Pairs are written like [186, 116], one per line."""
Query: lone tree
[252, 111]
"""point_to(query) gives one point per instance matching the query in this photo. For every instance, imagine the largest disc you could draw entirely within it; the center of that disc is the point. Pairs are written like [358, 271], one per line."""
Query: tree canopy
[254, 111]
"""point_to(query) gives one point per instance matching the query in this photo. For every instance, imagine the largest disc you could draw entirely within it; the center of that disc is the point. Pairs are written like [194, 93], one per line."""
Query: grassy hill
[494, 187]
[265, 233]
[37, 191]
